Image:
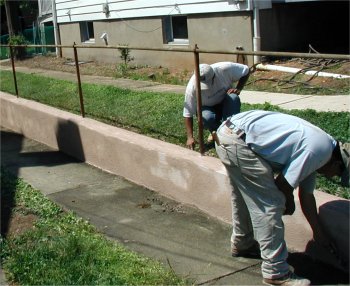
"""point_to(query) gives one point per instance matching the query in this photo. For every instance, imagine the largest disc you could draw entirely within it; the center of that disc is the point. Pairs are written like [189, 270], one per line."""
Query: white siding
[84, 10]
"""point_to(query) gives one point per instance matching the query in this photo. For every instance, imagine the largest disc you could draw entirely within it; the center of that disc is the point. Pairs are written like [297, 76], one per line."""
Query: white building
[225, 25]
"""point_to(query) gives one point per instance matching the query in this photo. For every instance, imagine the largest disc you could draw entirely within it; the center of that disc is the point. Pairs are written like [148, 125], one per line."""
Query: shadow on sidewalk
[13, 158]
[317, 272]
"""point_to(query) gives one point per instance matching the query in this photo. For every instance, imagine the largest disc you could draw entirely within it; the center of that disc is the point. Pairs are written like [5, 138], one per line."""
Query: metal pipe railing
[14, 70]
[196, 51]
[81, 99]
[170, 49]
[199, 100]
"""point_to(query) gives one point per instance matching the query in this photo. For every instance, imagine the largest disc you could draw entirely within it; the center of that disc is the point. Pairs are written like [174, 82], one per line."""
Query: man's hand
[290, 205]
[234, 90]
[191, 143]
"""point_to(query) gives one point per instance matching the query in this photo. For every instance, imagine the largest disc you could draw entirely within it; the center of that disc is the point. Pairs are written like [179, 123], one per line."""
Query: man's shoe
[251, 252]
[290, 279]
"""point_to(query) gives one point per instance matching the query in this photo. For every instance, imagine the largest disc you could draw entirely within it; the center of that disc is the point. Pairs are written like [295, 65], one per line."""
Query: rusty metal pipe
[199, 100]
[82, 111]
[170, 49]
[13, 69]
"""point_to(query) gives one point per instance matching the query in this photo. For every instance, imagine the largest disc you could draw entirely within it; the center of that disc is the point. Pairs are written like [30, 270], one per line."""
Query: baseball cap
[206, 74]
[345, 151]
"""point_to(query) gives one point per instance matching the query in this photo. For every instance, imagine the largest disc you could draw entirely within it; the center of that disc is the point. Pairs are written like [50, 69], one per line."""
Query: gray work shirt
[294, 146]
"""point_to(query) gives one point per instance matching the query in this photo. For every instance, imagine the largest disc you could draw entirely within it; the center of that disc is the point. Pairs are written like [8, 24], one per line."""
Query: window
[175, 30]
[87, 32]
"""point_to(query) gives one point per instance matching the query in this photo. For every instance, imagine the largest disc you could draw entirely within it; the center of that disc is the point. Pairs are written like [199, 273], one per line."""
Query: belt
[239, 132]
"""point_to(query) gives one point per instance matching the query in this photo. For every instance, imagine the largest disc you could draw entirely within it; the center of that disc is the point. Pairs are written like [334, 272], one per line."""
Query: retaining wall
[173, 171]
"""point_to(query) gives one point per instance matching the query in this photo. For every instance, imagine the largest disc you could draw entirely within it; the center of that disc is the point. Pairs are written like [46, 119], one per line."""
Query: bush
[19, 52]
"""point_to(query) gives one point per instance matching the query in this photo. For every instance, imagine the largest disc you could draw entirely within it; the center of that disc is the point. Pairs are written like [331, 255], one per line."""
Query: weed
[122, 70]
[125, 54]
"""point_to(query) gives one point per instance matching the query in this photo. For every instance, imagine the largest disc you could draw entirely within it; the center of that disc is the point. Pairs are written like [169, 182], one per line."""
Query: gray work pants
[257, 204]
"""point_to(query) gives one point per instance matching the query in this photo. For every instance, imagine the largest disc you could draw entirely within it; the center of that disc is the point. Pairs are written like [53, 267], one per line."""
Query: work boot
[250, 252]
[290, 279]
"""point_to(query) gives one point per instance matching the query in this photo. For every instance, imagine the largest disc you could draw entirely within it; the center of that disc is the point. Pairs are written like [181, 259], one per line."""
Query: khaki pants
[257, 204]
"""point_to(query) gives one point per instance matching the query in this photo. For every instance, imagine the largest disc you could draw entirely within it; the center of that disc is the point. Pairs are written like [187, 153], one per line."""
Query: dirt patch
[20, 223]
[89, 67]
[66, 65]
[15, 219]
[300, 83]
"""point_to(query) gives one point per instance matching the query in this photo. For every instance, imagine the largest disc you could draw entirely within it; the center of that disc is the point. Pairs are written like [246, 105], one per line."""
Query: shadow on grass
[7, 187]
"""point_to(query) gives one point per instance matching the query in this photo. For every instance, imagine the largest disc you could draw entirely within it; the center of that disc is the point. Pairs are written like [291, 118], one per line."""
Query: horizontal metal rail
[190, 50]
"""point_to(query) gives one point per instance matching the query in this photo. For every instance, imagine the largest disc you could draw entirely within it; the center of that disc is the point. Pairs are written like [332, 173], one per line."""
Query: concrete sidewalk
[190, 242]
[287, 101]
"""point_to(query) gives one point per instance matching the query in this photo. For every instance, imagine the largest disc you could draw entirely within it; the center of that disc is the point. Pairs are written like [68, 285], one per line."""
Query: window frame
[168, 31]
[87, 33]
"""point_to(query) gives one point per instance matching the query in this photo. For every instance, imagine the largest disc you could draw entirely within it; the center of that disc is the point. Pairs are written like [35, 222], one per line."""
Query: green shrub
[19, 52]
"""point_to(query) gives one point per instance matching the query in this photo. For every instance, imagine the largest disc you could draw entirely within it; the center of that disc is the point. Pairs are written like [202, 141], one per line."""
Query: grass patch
[62, 249]
[157, 115]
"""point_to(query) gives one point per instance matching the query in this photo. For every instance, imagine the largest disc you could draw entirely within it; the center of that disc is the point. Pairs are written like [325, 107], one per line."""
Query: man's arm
[287, 190]
[241, 83]
[309, 208]
[189, 130]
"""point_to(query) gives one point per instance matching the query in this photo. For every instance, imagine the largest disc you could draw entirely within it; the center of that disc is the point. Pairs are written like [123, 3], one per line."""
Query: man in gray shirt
[254, 146]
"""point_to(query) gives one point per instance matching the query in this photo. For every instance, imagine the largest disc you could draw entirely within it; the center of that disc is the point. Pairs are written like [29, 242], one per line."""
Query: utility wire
[176, 7]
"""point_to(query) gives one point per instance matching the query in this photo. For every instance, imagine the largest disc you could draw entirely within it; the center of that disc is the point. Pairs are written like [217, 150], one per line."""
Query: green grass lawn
[158, 115]
[62, 249]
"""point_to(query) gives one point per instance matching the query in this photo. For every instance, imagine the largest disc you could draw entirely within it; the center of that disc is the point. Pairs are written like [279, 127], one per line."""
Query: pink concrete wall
[173, 171]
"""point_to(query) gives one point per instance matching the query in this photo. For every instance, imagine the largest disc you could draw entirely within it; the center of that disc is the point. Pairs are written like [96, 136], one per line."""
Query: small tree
[125, 54]
[124, 51]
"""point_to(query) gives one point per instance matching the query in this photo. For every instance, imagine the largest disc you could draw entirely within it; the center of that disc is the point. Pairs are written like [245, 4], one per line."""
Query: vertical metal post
[13, 69]
[56, 29]
[82, 111]
[199, 100]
